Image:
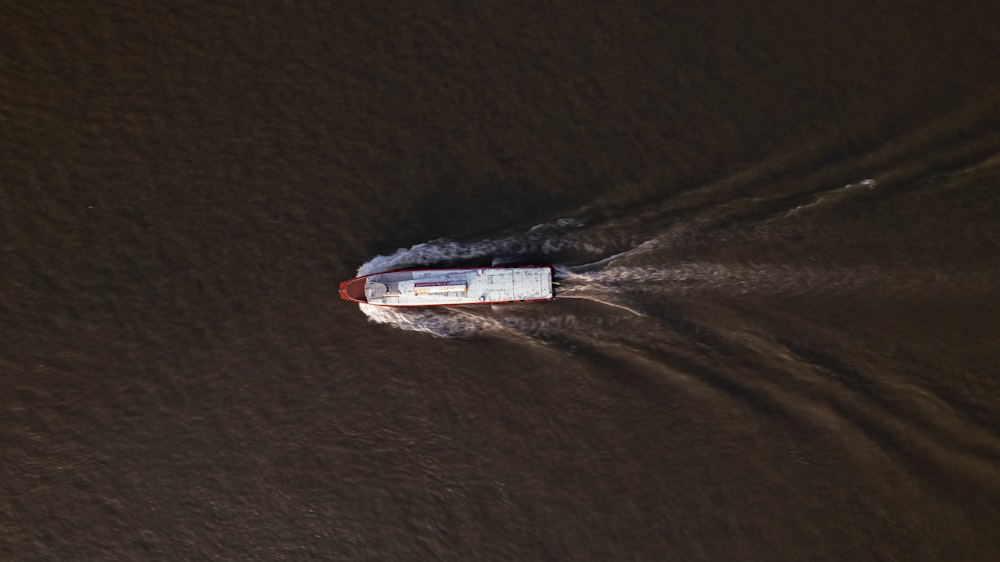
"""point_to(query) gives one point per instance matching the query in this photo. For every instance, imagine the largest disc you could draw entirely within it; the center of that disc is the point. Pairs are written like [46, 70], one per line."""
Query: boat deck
[459, 286]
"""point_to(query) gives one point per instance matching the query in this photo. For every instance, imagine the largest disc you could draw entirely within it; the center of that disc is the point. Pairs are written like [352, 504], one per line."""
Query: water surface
[775, 230]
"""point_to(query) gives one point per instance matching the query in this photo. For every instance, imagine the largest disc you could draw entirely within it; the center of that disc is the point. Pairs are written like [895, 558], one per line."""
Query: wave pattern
[823, 312]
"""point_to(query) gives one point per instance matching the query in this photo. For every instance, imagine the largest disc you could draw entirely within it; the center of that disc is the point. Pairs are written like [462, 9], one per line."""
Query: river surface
[775, 229]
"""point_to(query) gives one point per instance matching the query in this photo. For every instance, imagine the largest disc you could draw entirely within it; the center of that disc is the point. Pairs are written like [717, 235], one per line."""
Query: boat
[450, 287]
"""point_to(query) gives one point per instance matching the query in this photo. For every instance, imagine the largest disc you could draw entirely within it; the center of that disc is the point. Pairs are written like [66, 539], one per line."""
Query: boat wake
[699, 250]
[693, 278]
[515, 321]
[830, 310]
[543, 240]
[618, 287]
[445, 323]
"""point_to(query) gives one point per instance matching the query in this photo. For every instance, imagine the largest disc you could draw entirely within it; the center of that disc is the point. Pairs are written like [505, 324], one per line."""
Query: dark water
[777, 230]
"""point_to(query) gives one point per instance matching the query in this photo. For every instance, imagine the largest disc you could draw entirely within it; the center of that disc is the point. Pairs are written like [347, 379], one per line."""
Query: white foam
[544, 239]
[441, 323]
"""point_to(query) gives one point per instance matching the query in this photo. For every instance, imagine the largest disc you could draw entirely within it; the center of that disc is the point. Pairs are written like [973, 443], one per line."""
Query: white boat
[450, 287]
